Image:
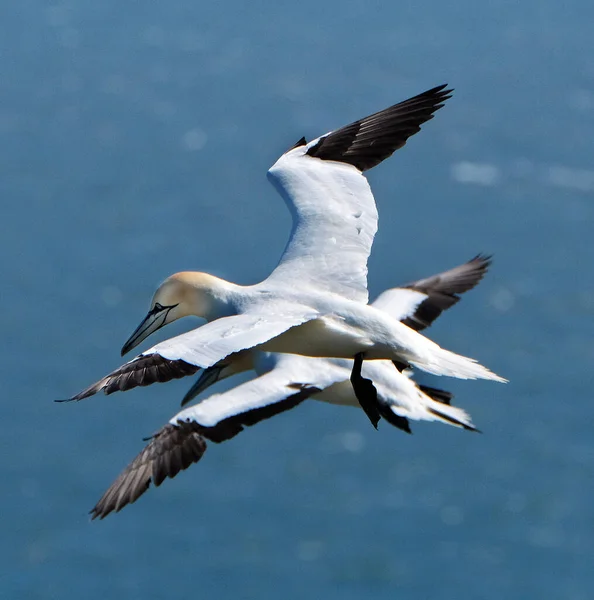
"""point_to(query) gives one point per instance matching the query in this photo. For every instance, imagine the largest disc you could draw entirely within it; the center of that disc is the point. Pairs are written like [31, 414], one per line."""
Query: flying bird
[314, 303]
[286, 380]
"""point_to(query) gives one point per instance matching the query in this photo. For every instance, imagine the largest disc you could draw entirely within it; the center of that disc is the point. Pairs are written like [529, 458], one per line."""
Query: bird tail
[443, 362]
[438, 406]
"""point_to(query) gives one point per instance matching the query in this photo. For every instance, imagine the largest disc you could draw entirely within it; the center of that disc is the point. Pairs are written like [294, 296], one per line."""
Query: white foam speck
[567, 177]
[352, 441]
[111, 295]
[194, 139]
[502, 300]
[545, 537]
[582, 100]
[476, 173]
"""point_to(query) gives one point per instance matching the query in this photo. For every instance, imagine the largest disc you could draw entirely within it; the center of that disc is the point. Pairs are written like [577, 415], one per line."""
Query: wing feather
[333, 209]
[203, 347]
[143, 370]
[419, 303]
[214, 341]
[182, 441]
[367, 142]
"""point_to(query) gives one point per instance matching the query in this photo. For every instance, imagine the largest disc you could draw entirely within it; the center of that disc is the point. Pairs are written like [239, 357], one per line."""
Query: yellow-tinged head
[181, 295]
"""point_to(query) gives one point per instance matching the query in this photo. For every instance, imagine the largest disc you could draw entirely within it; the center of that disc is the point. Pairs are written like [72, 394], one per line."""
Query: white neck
[220, 299]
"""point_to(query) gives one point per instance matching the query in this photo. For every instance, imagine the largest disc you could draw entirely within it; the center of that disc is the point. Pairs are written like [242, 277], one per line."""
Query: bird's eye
[158, 307]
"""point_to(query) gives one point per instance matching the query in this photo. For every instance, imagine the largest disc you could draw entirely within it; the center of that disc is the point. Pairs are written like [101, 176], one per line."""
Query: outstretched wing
[143, 370]
[333, 209]
[285, 373]
[202, 347]
[183, 440]
[214, 341]
[419, 303]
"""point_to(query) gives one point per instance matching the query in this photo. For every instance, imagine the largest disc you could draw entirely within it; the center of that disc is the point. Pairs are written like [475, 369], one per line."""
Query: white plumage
[315, 302]
[285, 380]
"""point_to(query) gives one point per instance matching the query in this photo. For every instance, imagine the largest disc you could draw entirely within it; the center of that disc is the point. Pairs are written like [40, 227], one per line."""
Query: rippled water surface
[134, 141]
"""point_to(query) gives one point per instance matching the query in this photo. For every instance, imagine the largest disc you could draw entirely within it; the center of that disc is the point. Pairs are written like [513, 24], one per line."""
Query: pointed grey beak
[208, 377]
[153, 321]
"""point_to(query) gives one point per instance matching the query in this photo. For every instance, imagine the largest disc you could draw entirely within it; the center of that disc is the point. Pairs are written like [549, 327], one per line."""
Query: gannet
[314, 303]
[286, 380]
[415, 304]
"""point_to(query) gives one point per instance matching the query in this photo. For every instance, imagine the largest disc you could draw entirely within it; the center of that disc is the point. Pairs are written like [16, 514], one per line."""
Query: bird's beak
[154, 320]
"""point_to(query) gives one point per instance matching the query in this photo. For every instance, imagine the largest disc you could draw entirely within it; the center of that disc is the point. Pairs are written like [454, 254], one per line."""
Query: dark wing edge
[368, 141]
[390, 413]
[142, 371]
[231, 426]
[443, 290]
[171, 450]
[175, 447]
[437, 394]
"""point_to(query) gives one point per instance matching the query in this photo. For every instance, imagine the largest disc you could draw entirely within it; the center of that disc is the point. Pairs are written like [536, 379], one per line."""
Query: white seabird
[416, 305]
[286, 380]
[314, 303]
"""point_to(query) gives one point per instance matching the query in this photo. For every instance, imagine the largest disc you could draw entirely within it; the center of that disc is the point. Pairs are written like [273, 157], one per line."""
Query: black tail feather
[453, 421]
[436, 394]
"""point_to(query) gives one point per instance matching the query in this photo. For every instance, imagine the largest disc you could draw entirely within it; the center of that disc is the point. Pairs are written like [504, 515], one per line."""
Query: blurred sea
[134, 142]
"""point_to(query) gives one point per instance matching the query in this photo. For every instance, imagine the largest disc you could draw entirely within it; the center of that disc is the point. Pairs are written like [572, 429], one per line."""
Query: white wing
[290, 380]
[333, 209]
[284, 375]
[218, 418]
[214, 341]
[202, 347]
[328, 380]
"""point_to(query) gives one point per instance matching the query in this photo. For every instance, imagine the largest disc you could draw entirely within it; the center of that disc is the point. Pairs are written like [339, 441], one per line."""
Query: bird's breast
[323, 337]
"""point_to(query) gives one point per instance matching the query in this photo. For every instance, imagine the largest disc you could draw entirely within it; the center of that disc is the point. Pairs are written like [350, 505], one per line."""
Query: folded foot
[365, 391]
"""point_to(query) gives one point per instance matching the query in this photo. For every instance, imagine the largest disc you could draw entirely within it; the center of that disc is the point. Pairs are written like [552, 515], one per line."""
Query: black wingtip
[171, 450]
[485, 260]
[368, 141]
[437, 394]
[452, 420]
[62, 400]
[298, 144]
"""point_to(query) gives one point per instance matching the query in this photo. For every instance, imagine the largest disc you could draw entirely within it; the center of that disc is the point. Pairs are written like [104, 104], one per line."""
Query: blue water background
[134, 141]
